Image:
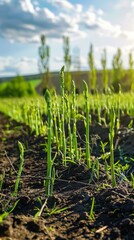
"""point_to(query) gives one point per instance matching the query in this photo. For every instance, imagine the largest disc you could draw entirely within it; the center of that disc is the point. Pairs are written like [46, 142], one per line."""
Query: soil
[65, 214]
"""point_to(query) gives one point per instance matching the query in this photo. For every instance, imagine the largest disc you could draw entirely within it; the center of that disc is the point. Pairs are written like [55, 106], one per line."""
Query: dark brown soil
[66, 214]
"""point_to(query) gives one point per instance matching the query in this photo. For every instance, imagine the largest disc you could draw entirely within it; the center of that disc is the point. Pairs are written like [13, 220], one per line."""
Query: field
[35, 83]
[67, 166]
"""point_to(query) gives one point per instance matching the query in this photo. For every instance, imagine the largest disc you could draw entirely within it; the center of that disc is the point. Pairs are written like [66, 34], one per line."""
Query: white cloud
[106, 28]
[22, 66]
[122, 4]
[29, 26]
[64, 4]
[132, 4]
[78, 8]
[26, 22]
[109, 49]
[100, 12]
[5, 62]
[4, 1]
[127, 34]
[48, 14]
[112, 50]
[27, 6]
[92, 19]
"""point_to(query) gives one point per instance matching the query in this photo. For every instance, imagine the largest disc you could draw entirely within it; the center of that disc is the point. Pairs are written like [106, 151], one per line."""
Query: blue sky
[106, 24]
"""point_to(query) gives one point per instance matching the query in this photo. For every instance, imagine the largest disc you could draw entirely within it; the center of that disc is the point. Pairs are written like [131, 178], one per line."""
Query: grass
[35, 82]
[8, 211]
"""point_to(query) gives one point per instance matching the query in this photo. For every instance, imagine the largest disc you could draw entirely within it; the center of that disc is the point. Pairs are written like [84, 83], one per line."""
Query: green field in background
[33, 82]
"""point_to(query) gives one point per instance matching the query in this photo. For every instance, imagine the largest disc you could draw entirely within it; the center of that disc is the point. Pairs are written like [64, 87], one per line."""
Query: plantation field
[67, 213]
[67, 166]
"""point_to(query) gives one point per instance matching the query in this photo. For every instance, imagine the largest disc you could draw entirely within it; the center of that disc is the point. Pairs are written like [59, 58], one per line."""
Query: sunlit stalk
[21, 149]
[88, 159]
[111, 138]
[49, 184]
[75, 145]
[63, 115]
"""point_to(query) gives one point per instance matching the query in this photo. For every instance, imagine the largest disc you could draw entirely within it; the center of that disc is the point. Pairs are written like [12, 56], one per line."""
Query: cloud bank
[25, 20]
[11, 66]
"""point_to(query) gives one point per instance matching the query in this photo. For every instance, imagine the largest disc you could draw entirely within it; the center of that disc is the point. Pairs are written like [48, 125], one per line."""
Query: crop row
[57, 118]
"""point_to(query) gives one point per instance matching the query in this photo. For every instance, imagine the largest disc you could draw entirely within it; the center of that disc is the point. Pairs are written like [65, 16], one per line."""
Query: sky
[105, 24]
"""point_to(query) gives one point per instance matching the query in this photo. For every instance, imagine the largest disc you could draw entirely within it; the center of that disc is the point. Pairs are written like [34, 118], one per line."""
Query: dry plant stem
[10, 162]
[101, 229]
[43, 206]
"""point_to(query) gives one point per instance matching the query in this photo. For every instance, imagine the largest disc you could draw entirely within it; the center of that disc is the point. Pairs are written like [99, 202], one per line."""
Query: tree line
[118, 73]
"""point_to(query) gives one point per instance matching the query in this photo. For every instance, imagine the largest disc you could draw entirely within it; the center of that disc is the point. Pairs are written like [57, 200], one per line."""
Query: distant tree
[104, 70]
[92, 69]
[131, 71]
[118, 71]
[44, 55]
[17, 87]
[67, 61]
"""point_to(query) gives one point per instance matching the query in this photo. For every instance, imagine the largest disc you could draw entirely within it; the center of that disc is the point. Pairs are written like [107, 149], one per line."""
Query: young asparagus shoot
[49, 182]
[132, 180]
[71, 152]
[21, 149]
[91, 214]
[2, 177]
[111, 138]
[75, 145]
[63, 115]
[88, 159]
